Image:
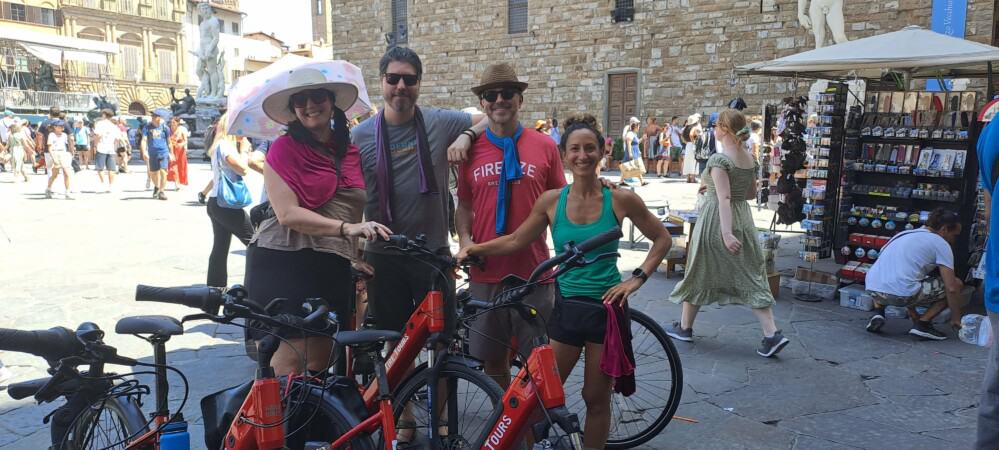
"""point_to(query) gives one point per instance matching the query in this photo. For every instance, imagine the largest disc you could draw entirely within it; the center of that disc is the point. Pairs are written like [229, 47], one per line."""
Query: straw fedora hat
[303, 79]
[498, 75]
[693, 119]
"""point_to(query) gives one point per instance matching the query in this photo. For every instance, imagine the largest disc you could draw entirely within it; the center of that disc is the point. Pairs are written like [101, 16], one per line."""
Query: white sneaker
[69, 196]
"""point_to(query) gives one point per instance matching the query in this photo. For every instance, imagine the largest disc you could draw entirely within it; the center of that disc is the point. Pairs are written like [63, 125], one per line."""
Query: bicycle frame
[537, 385]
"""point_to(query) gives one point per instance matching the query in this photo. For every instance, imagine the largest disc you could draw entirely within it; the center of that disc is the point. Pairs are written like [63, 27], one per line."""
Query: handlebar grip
[193, 297]
[52, 344]
[612, 234]
[398, 240]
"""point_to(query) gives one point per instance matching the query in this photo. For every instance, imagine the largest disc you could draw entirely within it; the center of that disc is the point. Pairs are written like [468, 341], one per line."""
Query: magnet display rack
[824, 147]
[906, 154]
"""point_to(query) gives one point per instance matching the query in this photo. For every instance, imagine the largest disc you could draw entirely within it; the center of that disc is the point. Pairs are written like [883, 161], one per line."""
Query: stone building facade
[674, 57]
[152, 50]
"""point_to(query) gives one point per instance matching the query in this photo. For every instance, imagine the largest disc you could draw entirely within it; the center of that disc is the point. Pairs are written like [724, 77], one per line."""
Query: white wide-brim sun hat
[304, 79]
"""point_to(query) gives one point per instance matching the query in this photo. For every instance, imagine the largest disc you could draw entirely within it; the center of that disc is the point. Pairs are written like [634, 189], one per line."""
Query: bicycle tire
[127, 422]
[643, 415]
[331, 417]
[413, 390]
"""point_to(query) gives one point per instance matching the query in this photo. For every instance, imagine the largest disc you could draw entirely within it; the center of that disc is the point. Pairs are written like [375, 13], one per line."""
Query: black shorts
[578, 320]
[297, 276]
[399, 286]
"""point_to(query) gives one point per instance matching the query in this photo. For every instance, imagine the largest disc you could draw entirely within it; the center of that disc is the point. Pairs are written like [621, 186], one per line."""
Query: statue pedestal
[206, 111]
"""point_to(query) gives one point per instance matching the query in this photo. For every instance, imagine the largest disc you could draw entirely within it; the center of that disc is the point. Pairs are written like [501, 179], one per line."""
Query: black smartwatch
[639, 273]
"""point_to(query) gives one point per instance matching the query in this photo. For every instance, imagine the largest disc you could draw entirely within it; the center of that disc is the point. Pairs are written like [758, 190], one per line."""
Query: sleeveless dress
[713, 274]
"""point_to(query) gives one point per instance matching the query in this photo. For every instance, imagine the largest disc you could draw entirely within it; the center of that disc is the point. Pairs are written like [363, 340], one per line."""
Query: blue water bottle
[174, 436]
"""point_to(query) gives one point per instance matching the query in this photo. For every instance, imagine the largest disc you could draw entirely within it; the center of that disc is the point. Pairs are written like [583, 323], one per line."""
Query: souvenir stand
[899, 153]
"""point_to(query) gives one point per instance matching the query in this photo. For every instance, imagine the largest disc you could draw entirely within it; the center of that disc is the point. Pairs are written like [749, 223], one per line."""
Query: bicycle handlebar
[572, 250]
[210, 300]
[572, 254]
[52, 344]
[205, 298]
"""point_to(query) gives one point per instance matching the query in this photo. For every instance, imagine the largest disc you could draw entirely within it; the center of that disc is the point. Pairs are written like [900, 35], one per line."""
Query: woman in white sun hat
[316, 190]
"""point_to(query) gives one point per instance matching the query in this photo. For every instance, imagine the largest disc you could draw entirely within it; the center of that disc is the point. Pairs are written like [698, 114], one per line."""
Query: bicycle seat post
[162, 384]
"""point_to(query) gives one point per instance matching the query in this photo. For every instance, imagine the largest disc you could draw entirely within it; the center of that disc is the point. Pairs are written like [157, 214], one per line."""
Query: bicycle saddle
[361, 337]
[155, 325]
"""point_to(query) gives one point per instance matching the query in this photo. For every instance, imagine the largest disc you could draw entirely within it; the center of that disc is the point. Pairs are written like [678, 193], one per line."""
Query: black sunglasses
[393, 79]
[506, 93]
[318, 96]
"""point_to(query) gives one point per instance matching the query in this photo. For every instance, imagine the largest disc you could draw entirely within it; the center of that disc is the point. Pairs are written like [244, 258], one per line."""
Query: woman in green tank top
[575, 213]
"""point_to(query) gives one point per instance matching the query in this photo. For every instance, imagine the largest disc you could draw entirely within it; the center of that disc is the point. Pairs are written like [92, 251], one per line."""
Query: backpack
[704, 147]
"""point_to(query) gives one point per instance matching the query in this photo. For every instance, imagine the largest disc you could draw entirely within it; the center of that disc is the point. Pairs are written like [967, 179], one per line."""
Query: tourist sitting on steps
[916, 269]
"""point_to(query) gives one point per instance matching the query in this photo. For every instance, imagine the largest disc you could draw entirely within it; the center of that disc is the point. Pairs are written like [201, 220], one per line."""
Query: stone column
[181, 59]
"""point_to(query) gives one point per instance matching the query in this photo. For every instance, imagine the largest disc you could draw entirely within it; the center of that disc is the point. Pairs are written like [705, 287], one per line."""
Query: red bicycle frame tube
[521, 400]
[151, 438]
[426, 320]
[382, 420]
[261, 407]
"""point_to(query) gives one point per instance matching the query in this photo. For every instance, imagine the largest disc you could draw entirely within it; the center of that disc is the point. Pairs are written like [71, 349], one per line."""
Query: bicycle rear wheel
[659, 384]
[472, 399]
[105, 424]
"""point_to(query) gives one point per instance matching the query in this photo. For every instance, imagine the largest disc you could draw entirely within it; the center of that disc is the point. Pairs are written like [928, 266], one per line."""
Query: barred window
[624, 3]
[400, 19]
[18, 13]
[517, 16]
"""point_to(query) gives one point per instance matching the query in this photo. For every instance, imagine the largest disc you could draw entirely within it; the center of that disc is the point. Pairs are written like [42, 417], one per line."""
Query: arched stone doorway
[137, 109]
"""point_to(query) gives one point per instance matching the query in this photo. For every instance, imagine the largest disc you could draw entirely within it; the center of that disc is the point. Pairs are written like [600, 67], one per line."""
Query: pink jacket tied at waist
[618, 359]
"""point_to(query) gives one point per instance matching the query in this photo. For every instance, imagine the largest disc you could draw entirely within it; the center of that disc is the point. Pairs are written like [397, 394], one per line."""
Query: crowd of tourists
[66, 148]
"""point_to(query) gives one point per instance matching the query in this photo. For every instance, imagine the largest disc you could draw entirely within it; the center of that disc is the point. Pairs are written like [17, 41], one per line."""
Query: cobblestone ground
[834, 387]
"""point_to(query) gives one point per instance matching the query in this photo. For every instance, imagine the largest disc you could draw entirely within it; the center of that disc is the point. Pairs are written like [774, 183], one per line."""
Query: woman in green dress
[725, 263]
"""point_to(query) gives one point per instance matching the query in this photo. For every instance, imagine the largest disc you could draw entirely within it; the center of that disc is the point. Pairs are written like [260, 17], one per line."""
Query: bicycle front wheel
[469, 398]
[659, 384]
[105, 424]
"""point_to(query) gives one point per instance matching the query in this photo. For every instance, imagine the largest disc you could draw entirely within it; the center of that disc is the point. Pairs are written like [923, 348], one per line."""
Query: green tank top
[595, 279]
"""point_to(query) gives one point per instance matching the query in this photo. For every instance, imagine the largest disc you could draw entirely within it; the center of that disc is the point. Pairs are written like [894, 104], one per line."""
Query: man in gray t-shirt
[416, 201]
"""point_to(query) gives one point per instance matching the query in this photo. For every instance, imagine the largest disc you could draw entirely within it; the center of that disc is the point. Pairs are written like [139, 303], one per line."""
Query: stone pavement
[834, 387]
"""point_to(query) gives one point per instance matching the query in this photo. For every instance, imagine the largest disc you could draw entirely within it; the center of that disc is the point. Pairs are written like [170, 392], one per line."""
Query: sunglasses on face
[393, 79]
[506, 93]
[318, 96]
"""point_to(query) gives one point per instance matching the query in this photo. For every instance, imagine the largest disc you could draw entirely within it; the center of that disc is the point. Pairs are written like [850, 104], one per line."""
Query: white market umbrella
[246, 98]
[913, 50]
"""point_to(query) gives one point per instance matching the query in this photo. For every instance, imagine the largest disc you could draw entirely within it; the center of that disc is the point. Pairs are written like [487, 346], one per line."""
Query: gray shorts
[492, 333]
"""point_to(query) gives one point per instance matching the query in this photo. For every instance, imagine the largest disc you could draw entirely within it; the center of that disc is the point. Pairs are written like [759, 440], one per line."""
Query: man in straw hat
[509, 168]
[404, 155]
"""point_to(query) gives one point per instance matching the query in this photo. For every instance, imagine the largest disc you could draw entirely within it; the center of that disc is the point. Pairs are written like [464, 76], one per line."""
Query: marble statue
[822, 13]
[183, 105]
[210, 66]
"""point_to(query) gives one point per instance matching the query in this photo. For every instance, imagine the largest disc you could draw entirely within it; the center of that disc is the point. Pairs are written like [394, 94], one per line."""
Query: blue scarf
[511, 171]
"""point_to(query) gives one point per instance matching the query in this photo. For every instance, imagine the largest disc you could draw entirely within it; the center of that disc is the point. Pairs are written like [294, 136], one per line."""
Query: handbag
[232, 194]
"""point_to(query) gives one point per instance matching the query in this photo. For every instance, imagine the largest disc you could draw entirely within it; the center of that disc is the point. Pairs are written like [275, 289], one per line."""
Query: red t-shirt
[478, 183]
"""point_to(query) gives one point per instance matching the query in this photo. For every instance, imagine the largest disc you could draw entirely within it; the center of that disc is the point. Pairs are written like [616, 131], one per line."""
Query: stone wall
[683, 50]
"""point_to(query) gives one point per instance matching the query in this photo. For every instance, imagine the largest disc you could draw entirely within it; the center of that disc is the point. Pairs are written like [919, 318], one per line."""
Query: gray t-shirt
[414, 213]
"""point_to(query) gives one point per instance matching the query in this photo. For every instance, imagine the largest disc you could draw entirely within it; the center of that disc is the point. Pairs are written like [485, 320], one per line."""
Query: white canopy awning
[914, 50]
[55, 49]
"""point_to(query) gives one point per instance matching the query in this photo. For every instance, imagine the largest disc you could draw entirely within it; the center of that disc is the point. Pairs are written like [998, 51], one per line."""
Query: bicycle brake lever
[203, 316]
[587, 262]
